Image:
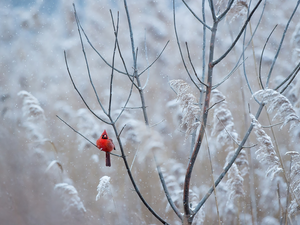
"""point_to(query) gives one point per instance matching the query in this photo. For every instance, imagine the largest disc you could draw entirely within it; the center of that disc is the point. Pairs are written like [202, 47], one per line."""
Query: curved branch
[261, 56]
[188, 52]
[80, 93]
[279, 47]
[179, 47]
[212, 9]
[154, 60]
[222, 175]
[221, 17]
[163, 183]
[86, 61]
[229, 75]
[203, 23]
[90, 43]
[238, 36]
[293, 74]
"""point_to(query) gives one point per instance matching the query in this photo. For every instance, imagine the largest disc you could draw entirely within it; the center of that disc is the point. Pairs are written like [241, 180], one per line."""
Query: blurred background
[39, 153]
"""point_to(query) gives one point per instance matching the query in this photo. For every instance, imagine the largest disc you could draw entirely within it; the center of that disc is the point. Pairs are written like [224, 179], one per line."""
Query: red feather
[105, 144]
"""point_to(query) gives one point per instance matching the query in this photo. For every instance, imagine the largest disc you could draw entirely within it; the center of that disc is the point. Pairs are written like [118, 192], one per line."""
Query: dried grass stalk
[70, 195]
[223, 124]
[188, 102]
[294, 206]
[103, 187]
[266, 152]
[278, 102]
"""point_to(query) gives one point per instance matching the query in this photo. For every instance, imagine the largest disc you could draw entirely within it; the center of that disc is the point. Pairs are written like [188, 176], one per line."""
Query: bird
[105, 144]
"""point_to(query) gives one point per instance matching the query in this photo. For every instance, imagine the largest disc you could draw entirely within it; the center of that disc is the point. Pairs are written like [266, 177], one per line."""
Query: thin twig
[188, 52]
[113, 62]
[251, 41]
[280, 44]
[77, 132]
[75, 87]
[86, 61]
[179, 47]
[212, 10]
[157, 123]
[155, 59]
[203, 23]
[292, 74]
[238, 36]
[147, 61]
[296, 72]
[232, 137]
[90, 43]
[213, 105]
[273, 125]
[168, 196]
[222, 175]
[229, 75]
[222, 16]
[212, 177]
[261, 57]
[121, 130]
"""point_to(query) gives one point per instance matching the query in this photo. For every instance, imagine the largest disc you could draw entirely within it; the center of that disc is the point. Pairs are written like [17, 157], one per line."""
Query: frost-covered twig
[266, 152]
[280, 103]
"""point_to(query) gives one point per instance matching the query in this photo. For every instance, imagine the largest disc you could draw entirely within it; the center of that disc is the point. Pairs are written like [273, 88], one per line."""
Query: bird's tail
[107, 159]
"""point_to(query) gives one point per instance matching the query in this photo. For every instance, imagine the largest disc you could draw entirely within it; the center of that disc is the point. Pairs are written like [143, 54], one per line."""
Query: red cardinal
[105, 144]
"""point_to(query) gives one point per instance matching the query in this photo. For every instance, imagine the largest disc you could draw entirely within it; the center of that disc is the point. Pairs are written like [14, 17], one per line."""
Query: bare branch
[179, 47]
[155, 59]
[77, 132]
[222, 175]
[212, 9]
[238, 36]
[280, 44]
[229, 75]
[80, 93]
[293, 75]
[261, 56]
[86, 61]
[90, 43]
[188, 52]
[203, 23]
[222, 16]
